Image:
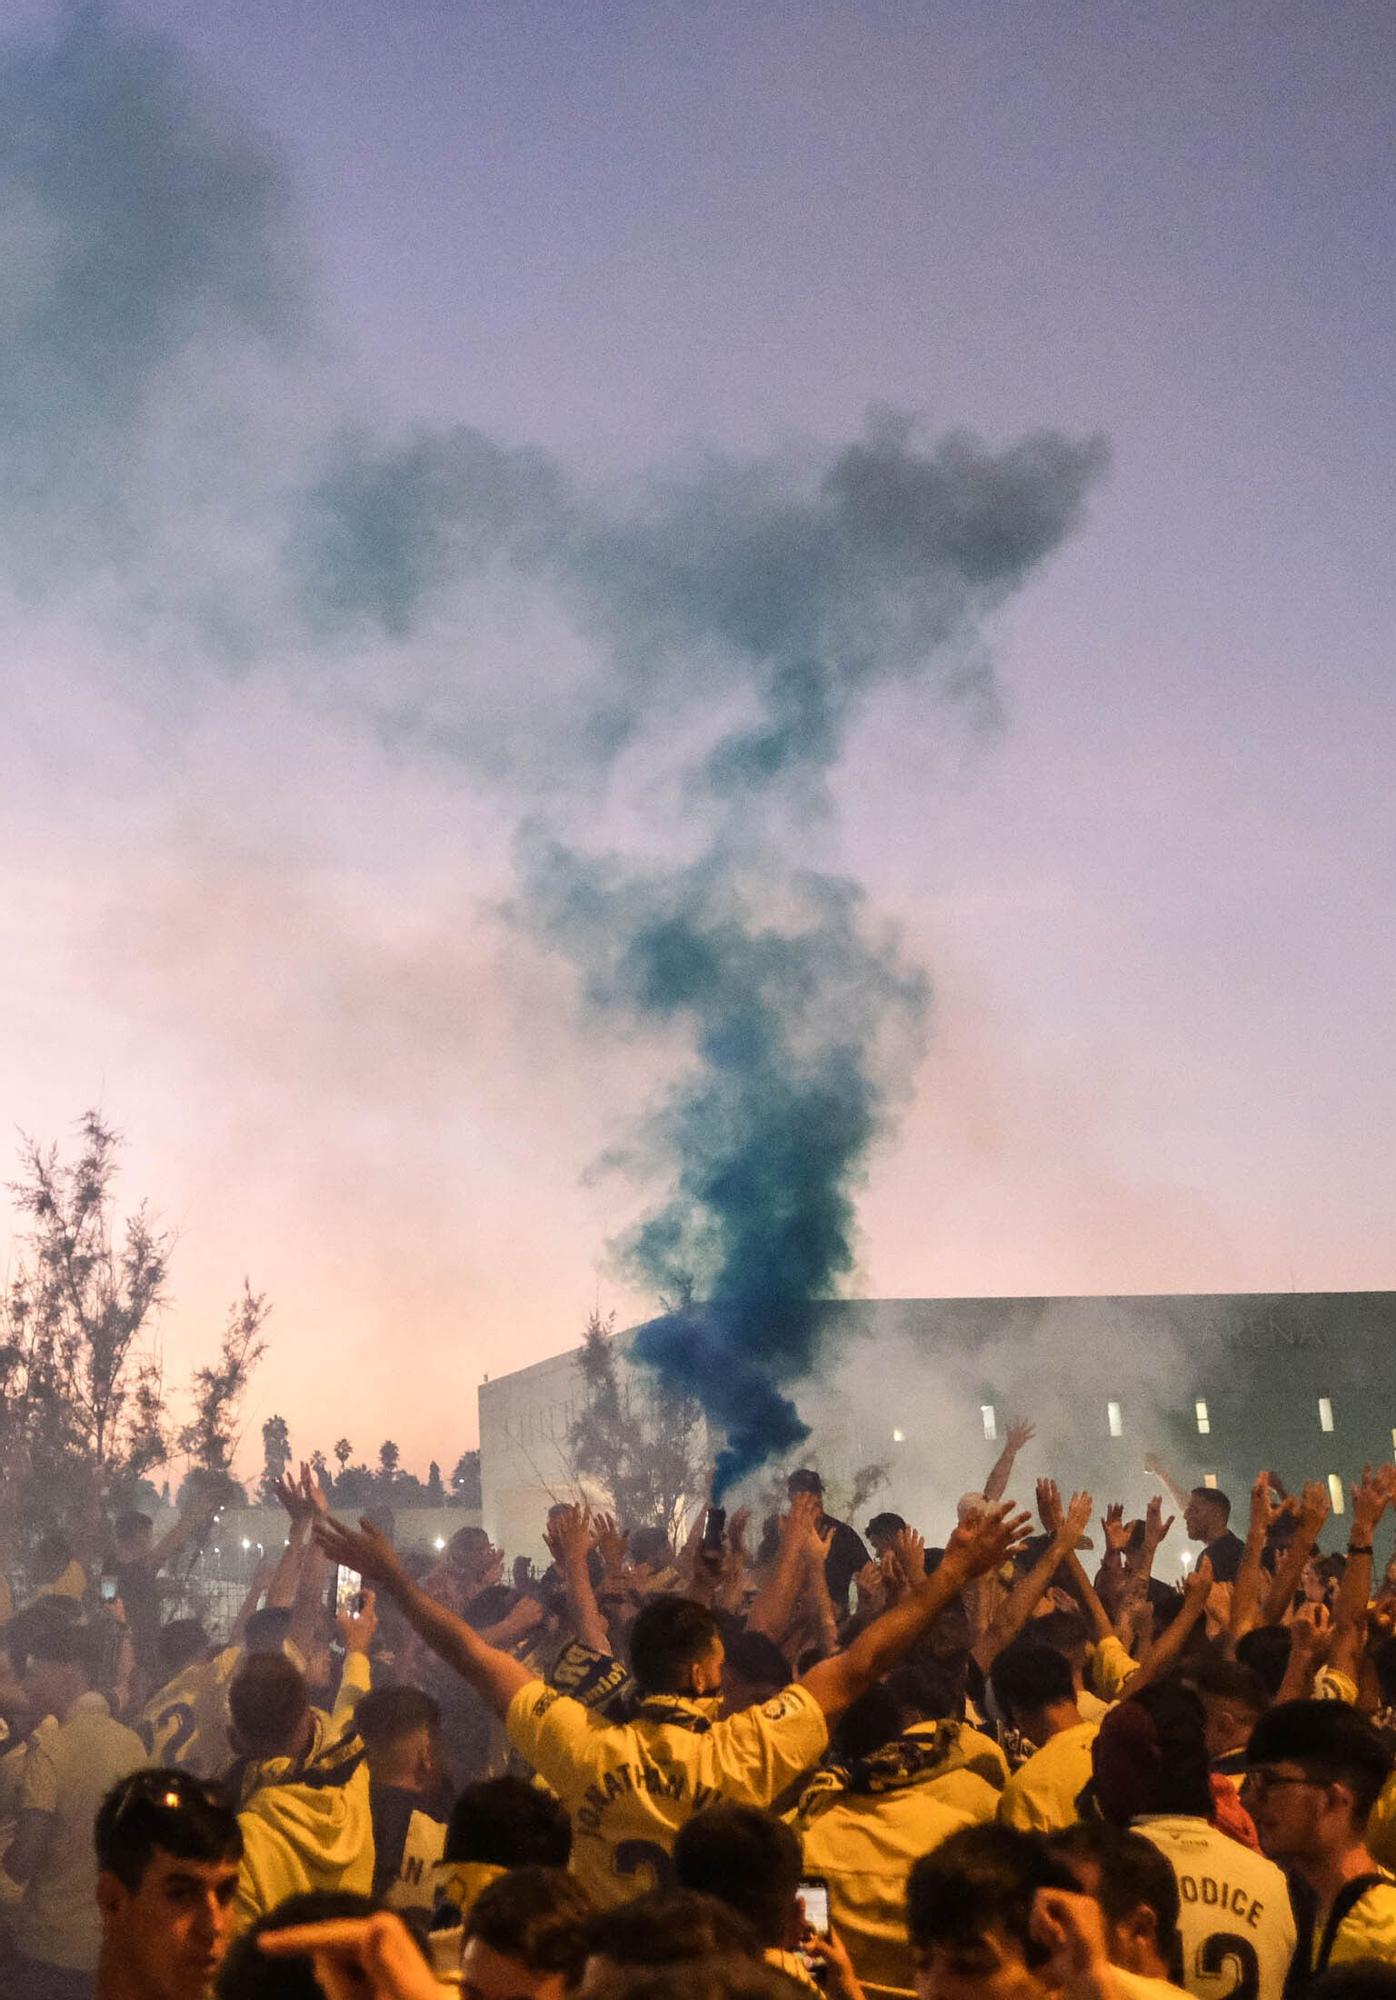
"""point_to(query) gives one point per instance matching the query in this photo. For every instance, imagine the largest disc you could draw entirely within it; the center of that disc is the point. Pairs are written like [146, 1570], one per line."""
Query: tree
[276, 1456]
[343, 1452]
[642, 1447]
[435, 1489]
[211, 1438]
[83, 1416]
[320, 1467]
[465, 1480]
[389, 1458]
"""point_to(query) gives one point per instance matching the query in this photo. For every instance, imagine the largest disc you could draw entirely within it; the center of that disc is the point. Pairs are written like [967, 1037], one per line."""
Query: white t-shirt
[1235, 1917]
[68, 1771]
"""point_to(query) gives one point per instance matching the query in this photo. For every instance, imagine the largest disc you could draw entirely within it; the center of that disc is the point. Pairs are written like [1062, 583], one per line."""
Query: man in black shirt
[847, 1554]
[1205, 1517]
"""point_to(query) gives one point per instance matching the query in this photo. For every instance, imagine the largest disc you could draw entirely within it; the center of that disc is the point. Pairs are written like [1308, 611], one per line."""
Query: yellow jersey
[630, 1786]
[1367, 1931]
[186, 1722]
[863, 1834]
[1043, 1793]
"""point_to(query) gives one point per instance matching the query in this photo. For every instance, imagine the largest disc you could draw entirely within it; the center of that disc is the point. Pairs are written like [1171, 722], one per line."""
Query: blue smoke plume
[746, 611]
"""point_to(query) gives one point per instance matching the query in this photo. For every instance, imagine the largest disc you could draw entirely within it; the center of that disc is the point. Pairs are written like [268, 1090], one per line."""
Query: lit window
[899, 1437]
[1114, 1416]
[991, 1428]
[1204, 1422]
[1335, 1492]
[1325, 1414]
[1209, 1479]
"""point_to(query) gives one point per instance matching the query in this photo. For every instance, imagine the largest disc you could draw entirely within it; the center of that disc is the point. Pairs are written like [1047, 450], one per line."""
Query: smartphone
[346, 1593]
[813, 1895]
[110, 1587]
[713, 1527]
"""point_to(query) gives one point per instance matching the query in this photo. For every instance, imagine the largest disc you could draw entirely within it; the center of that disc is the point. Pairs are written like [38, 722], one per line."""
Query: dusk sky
[258, 855]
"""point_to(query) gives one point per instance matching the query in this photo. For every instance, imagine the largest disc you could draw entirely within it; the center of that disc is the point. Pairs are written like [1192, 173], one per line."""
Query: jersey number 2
[1224, 1948]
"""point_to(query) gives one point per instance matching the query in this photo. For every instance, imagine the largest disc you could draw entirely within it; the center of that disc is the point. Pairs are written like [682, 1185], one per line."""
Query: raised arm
[1245, 1598]
[1001, 1471]
[976, 1547]
[495, 1676]
[1021, 1601]
[1177, 1494]
[1164, 1656]
[774, 1604]
[570, 1540]
[193, 1521]
[1370, 1496]
[1313, 1512]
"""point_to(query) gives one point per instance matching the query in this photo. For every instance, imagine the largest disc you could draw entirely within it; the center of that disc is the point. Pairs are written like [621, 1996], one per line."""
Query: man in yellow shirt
[306, 1815]
[888, 1799]
[630, 1786]
[1036, 1695]
[1314, 1771]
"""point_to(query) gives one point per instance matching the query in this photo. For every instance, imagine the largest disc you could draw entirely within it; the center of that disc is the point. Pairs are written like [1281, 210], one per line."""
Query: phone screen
[109, 1589]
[814, 1903]
[348, 1588]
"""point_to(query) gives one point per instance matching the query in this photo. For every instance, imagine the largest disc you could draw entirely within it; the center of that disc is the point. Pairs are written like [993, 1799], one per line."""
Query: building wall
[926, 1388]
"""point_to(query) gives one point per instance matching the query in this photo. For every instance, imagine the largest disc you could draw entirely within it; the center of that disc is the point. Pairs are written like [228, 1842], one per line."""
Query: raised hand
[1049, 1505]
[1155, 1527]
[569, 1536]
[1199, 1581]
[291, 1494]
[356, 1628]
[1078, 1518]
[1019, 1434]
[909, 1548]
[355, 1956]
[1264, 1511]
[612, 1542]
[801, 1523]
[1311, 1632]
[1371, 1495]
[1115, 1528]
[986, 1542]
[1314, 1506]
[362, 1548]
[872, 1585]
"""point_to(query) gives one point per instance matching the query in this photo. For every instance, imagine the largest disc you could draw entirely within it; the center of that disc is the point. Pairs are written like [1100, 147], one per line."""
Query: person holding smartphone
[752, 1862]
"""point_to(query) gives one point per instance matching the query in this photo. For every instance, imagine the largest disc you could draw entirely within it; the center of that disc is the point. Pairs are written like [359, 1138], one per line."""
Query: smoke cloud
[673, 670]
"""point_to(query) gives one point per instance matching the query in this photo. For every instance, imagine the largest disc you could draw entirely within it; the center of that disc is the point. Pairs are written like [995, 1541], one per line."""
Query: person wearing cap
[847, 1554]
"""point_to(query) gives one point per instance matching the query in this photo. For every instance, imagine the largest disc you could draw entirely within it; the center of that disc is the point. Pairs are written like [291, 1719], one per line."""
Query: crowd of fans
[756, 1765]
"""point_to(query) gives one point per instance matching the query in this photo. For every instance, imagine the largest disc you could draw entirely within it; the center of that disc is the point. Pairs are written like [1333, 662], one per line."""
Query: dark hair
[490, 1606]
[748, 1859]
[180, 1642]
[754, 1657]
[667, 1639]
[1215, 1496]
[982, 1878]
[171, 1811]
[868, 1722]
[650, 1545]
[509, 1823]
[1026, 1677]
[268, 1702]
[540, 1915]
[267, 1629]
[668, 1926]
[1228, 1680]
[66, 1642]
[884, 1524]
[1150, 1755]
[931, 1686]
[724, 1978]
[1265, 1649]
[386, 1716]
[806, 1480]
[247, 1973]
[1065, 1631]
[52, 1555]
[131, 1523]
[1132, 1871]
[1331, 1741]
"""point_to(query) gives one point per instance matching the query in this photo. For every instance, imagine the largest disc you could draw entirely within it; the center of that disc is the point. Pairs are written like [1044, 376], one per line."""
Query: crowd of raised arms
[810, 1757]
